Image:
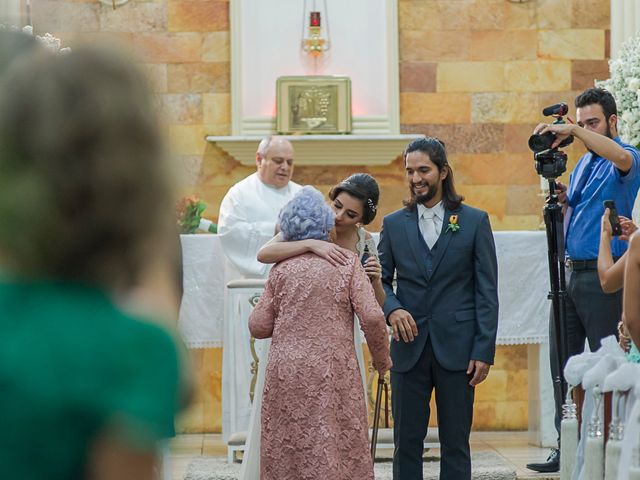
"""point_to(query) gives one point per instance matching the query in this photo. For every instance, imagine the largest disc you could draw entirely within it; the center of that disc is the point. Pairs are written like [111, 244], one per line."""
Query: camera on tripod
[550, 162]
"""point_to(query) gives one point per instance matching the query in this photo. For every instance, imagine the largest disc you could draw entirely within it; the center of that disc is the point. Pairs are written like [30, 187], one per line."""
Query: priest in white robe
[249, 210]
[247, 220]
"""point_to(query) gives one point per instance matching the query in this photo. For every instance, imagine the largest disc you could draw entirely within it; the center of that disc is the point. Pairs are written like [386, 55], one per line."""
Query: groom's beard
[432, 190]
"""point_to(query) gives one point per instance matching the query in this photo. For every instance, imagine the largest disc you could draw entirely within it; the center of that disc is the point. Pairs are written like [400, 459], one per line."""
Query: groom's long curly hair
[435, 150]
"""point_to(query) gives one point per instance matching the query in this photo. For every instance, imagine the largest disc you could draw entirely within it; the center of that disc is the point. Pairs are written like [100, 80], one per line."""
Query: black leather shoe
[551, 465]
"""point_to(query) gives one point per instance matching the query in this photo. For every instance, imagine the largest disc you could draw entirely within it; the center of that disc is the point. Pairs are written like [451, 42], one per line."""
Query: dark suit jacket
[456, 304]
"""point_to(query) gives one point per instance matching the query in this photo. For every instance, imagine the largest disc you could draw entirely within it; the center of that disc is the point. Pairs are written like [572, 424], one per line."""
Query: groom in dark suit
[444, 313]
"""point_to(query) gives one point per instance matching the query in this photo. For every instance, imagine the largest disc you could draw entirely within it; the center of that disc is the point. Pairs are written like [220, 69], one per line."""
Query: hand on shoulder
[336, 255]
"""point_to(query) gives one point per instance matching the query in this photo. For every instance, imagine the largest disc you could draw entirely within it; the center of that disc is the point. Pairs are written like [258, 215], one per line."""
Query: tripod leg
[553, 218]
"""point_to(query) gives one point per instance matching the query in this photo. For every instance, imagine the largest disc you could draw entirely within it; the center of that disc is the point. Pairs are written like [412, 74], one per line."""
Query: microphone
[557, 109]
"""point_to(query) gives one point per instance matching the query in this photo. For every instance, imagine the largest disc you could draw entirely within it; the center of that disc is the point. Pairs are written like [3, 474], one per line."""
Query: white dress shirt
[430, 222]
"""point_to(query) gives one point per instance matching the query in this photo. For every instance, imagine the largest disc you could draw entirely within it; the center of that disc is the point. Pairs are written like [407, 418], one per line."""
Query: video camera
[550, 162]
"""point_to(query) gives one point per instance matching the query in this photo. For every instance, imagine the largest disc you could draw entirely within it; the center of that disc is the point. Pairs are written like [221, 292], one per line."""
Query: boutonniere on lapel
[453, 224]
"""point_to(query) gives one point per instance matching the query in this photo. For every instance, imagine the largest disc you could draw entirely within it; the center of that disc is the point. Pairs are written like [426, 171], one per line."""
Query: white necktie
[429, 229]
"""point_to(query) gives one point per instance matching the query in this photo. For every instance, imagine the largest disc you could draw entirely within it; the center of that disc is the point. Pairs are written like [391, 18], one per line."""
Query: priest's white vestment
[247, 220]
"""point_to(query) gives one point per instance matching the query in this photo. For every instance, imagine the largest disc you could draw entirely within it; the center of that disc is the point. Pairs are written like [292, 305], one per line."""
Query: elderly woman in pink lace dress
[314, 420]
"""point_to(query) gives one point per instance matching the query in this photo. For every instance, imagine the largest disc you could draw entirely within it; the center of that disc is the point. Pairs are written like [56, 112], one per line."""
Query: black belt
[577, 265]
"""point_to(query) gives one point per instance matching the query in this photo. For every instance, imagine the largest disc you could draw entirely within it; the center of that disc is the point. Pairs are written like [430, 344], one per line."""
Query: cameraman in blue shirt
[609, 171]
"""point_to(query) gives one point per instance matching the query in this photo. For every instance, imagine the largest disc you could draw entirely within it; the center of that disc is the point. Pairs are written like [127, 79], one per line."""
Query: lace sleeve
[371, 318]
[263, 315]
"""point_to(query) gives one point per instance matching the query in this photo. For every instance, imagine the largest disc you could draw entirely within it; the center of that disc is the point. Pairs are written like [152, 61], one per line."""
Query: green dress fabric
[73, 366]
[634, 354]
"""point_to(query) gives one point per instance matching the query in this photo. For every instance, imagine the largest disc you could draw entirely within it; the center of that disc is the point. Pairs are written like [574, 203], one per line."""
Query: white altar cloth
[202, 309]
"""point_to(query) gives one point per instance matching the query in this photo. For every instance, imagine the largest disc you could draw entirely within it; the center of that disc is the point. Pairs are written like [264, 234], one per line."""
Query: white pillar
[625, 22]
[10, 12]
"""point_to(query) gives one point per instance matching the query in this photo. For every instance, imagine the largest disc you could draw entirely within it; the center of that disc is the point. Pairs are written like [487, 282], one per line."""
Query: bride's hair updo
[363, 187]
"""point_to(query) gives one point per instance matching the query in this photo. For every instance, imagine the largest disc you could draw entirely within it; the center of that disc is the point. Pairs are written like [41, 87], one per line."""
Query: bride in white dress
[355, 203]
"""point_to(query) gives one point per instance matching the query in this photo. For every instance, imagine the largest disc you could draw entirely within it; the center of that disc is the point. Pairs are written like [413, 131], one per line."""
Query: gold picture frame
[313, 104]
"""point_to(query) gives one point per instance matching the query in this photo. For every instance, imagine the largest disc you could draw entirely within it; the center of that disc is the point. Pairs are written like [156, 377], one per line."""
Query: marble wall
[474, 73]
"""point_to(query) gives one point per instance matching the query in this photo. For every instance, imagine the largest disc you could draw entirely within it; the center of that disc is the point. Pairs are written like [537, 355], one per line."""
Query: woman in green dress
[88, 388]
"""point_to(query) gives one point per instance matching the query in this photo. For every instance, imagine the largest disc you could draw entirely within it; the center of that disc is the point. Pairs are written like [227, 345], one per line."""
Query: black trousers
[411, 392]
[590, 314]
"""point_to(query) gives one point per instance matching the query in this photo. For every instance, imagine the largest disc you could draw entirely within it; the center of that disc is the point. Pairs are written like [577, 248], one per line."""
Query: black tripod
[554, 219]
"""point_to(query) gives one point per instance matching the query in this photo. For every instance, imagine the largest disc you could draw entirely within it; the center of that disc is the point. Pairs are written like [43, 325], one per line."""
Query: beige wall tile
[217, 108]
[56, 16]
[571, 44]
[516, 222]
[504, 45]
[418, 77]
[538, 76]
[511, 357]
[516, 137]
[490, 198]
[189, 168]
[199, 77]
[585, 72]
[212, 380]
[134, 17]
[464, 138]
[189, 139]
[484, 415]
[182, 108]
[216, 47]
[519, 170]
[591, 14]
[198, 16]
[517, 385]
[512, 415]
[219, 169]
[168, 47]
[478, 169]
[487, 14]
[471, 77]
[435, 107]
[434, 15]
[553, 14]
[503, 107]
[157, 76]
[432, 46]
[520, 15]
[494, 388]
[524, 199]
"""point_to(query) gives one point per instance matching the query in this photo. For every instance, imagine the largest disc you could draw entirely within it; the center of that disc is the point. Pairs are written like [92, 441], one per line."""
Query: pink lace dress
[314, 419]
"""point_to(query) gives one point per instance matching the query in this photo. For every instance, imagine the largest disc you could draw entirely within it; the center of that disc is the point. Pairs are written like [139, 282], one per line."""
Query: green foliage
[191, 218]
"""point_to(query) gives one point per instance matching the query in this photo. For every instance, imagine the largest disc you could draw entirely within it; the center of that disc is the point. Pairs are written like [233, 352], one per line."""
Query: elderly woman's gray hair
[306, 216]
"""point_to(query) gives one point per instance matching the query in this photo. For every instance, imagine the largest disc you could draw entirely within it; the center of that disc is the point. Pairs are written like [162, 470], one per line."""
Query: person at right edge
[608, 171]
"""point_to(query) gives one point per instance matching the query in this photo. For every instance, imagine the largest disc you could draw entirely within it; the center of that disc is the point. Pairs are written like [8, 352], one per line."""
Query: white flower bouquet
[624, 85]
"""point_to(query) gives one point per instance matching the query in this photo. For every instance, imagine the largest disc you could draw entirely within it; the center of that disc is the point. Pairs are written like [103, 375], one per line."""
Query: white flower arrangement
[47, 40]
[624, 85]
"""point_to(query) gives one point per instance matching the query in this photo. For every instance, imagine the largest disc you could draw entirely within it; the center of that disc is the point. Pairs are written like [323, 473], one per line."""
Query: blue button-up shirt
[603, 182]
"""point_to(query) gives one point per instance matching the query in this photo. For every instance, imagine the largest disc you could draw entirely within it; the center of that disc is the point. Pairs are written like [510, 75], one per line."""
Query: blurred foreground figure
[87, 388]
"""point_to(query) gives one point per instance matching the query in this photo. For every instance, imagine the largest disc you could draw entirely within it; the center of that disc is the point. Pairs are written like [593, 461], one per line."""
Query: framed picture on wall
[313, 104]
